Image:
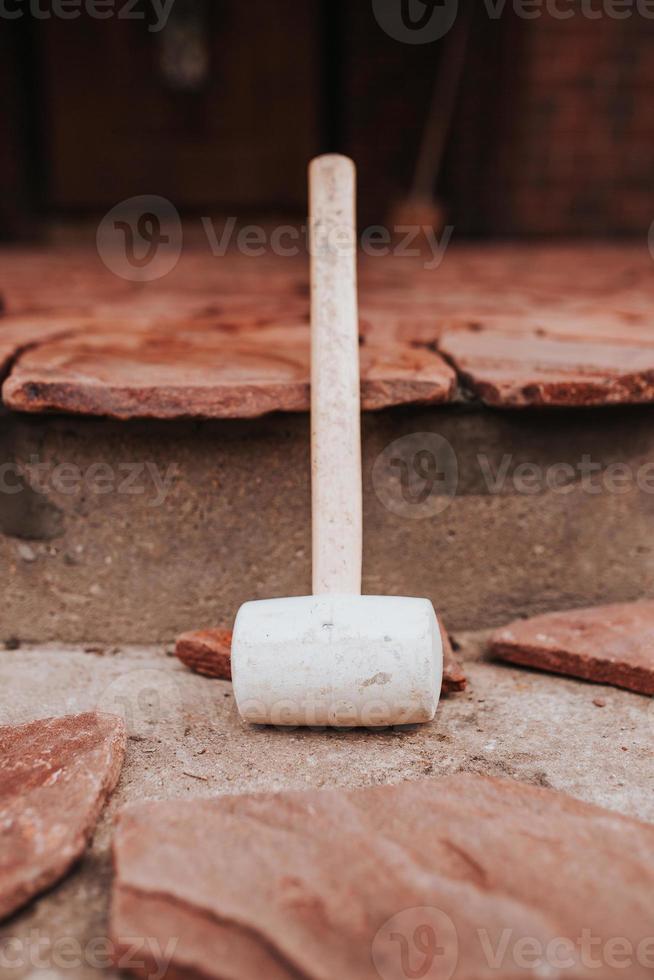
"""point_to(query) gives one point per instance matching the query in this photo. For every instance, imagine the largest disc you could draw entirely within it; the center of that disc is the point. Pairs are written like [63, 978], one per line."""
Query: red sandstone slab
[611, 644]
[582, 313]
[572, 359]
[55, 777]
[20, 333]
[465, 877]
[578, 320]
[231, 365]
[208, 652]
[161, 373]
[67, 276]
[74, 278]
[401, 374]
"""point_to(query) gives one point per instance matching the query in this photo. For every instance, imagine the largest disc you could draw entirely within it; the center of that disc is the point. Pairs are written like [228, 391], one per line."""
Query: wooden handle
[335, 401]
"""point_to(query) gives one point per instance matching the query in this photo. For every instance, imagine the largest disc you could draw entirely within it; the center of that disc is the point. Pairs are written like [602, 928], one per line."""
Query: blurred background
[518, 127]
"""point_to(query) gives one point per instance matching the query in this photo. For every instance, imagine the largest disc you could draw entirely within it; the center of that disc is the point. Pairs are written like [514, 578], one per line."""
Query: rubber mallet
[336, 658]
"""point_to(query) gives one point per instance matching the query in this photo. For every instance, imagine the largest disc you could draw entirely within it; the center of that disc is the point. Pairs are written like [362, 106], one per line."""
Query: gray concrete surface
[187, 741]
[103, 555]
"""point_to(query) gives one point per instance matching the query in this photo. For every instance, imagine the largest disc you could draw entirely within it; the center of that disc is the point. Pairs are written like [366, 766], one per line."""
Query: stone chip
[207, 652]
[611, 644]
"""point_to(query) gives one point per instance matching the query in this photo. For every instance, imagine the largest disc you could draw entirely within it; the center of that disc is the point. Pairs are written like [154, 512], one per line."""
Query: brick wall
[553, 132]
[555, 129]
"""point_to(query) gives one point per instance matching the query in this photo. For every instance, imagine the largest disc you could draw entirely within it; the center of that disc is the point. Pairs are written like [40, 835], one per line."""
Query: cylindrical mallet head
[337, 660]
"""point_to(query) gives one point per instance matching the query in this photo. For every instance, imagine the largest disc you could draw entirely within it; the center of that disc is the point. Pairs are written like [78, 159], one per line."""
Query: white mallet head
[336, 658]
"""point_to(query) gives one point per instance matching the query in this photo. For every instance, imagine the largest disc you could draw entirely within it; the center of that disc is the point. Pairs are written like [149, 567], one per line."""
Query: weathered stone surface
[470, 278]
[574, 359]
[401, 374]
[611, 644]
[73, 279]
[525, 724]
[346, 883]
[554, 325]
[55, 777]
[212, 367]
[454, 678]
[208, 652]
[20, 333]
[230, 513]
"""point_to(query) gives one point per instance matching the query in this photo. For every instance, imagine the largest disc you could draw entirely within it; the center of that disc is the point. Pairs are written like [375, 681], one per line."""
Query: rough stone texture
[72, 278]
[21, 333]
[300, 885]
[575, 360]
[186, 742]
[214, 338]
[55, 777]
[454, 678]
[611, 644]
[122, 560]
[206, 368]
[116, 566]
[208, 652]
[479, 279]
[228, 337]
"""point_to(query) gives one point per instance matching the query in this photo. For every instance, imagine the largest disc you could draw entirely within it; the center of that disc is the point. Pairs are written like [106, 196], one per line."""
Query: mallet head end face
[337, 660]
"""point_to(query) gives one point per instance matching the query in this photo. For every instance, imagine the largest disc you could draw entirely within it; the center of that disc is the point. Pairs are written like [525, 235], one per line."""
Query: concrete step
[117, 532]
